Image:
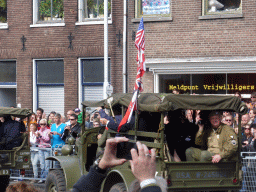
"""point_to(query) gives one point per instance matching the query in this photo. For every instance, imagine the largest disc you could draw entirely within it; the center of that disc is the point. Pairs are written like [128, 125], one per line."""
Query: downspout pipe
[105, 84]
[124, 47]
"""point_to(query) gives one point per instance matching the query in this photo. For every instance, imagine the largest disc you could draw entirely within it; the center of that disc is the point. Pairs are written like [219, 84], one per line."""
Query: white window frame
[84, 21]
[35, 19]
[3, 25]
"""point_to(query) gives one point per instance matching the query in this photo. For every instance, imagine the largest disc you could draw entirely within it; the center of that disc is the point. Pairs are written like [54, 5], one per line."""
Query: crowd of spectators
[46, 134]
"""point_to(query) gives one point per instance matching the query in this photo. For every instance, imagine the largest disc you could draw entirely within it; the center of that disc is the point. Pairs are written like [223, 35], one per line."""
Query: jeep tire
[55, 181]
[119, 187]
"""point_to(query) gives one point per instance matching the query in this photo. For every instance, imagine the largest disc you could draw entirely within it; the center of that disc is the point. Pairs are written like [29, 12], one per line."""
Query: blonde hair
[43, 121]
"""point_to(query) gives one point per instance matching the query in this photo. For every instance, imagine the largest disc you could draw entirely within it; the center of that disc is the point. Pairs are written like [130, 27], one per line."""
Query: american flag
[140, 45]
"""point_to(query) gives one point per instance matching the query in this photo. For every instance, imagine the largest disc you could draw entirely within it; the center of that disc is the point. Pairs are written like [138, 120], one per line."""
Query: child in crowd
[34, 150]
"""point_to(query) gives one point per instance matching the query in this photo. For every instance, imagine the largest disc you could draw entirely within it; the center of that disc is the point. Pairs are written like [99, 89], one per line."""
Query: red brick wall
[52, 42]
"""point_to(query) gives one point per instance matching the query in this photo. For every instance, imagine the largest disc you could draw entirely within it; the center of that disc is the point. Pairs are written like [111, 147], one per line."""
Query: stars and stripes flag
[140, 45]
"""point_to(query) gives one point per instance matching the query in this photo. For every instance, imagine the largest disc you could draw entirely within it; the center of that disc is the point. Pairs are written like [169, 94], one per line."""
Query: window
[92, 78]
[48, 11]
[93, 71]
[153, 8]
[8, 83]
[212, 7]
[50, 72]
[226, 83]
[49, 85]
[8, 72]
[3, 11]
[93, 10]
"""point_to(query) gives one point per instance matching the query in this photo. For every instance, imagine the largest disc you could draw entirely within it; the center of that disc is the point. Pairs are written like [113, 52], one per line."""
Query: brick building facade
[46, 44]
[209, 50]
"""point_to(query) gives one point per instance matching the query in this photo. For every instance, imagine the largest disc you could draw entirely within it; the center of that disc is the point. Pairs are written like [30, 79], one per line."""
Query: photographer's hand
[109, 158]
[143, 164]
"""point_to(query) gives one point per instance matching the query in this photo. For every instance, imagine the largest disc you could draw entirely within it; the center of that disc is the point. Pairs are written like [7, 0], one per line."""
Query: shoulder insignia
[233, 142]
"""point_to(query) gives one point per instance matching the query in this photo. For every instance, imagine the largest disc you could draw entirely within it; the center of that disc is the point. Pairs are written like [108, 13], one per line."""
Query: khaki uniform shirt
[213, 142]
[224, 139]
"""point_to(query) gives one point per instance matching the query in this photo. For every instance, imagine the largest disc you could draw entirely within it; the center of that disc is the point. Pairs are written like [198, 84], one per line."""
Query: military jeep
[17, 157]
[78, 156]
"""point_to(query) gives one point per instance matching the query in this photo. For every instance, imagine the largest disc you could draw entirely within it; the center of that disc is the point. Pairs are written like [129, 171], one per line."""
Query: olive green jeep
[17, 157]
[77, 156]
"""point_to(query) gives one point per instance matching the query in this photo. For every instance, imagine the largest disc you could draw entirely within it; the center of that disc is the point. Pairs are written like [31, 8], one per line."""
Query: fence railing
[29, 173]
[249, 171]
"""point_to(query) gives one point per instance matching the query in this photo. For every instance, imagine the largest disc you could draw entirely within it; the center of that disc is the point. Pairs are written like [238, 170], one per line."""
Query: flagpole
[105, 84]
[137, 116]
[140, 45]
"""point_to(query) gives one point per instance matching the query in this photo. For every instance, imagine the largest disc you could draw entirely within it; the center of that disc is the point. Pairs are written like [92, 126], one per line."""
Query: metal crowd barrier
[249, 171]
[29, 174]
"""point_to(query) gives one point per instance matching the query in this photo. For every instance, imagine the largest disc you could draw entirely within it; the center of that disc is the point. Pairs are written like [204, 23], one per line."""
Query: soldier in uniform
[10, 133]
[218, 142]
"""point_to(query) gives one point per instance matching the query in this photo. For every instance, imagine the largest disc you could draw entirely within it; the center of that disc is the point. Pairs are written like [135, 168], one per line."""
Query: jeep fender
[117, 176]
[71, 168]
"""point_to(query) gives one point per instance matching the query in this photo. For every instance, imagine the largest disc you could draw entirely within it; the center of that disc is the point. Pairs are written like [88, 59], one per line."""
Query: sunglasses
[42, 124]
[72, 119]
[228, 120]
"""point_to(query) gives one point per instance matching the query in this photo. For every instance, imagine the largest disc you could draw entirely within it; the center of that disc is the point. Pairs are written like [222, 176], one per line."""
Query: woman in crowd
[30, 120]
[43, 140]
[246, 137]
[34, 150]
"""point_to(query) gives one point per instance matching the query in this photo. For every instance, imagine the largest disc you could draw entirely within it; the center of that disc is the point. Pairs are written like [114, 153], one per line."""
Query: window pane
[8, 71]
[209, 83]
[241, 82]
[51, 10]
[3, 11]
[50, 72]
[155, 7]
[223, 6]
[170, 82]
[95, 8]
[93, 70]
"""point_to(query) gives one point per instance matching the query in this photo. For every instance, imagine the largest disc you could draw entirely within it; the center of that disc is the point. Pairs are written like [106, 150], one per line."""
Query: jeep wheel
[4, 181]
[119, 187]
[55, 181]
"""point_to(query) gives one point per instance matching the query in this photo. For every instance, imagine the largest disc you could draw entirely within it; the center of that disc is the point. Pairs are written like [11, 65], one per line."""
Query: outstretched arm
[93, 180]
